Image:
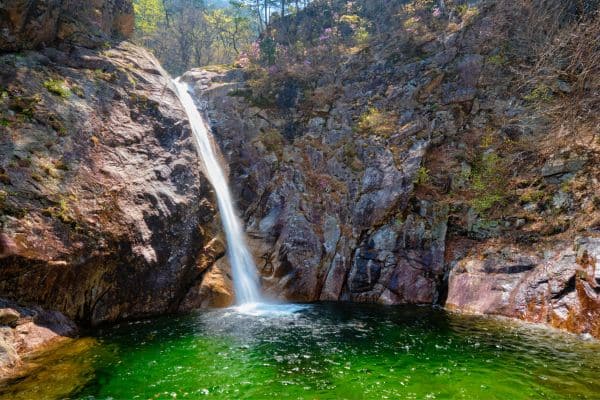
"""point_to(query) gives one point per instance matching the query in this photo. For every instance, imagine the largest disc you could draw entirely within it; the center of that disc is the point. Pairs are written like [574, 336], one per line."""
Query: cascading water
[245, 278]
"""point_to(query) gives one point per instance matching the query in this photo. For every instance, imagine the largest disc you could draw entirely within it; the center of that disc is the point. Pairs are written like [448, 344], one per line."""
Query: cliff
[421, 155]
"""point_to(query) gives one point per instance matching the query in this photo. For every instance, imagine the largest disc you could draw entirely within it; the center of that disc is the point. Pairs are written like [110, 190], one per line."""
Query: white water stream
[243, 269]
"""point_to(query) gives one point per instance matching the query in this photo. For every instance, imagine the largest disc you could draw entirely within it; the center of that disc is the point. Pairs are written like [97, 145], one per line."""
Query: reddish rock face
[31, 24]
[28, 329]
[558, 288]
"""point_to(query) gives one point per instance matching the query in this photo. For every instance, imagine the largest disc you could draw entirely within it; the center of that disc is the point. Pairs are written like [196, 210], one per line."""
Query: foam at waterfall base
[268, 309]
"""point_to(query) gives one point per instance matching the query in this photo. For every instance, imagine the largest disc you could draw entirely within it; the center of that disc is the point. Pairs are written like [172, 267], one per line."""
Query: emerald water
[320, 351]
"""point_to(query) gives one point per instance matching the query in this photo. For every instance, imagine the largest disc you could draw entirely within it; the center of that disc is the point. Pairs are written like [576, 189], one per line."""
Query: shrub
[272, 140]
[374, 121]
[57, 87]
[422, 177]
[497, 59]
[268, 50]
[540, 93]
[532, 196]
[361, 36]
[488, 182]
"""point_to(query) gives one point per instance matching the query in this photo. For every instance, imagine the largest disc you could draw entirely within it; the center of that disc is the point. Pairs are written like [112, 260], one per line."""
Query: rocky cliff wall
[410, 169]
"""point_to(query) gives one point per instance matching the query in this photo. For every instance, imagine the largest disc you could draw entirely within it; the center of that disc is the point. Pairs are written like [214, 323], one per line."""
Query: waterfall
[243, 269]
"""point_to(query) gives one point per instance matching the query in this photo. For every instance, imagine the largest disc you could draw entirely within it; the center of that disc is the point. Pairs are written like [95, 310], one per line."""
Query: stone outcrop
[31, 24]
[560, 287]
[104, 213]
[23, 330]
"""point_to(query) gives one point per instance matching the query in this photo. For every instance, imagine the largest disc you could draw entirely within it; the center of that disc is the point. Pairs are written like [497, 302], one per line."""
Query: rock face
[411, 169]
[560, 288]
[321, 227]
[23, 330]
[30, 24]
[103, 210]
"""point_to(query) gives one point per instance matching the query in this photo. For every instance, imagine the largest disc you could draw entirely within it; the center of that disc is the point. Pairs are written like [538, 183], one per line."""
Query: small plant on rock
[375, 121]
[541, 93]
[58, 88]
[488, 182]
[422, 177]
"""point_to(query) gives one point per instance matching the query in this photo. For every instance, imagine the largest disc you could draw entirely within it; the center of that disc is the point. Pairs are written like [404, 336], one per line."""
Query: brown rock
[8, 316]
[35, 329]
[7, 246]
[35, 23]
[111, 218]
[215, 289]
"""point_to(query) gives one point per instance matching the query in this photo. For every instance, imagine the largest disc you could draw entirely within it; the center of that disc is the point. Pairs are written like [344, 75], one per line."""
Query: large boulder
[558, 287]
[104, 210]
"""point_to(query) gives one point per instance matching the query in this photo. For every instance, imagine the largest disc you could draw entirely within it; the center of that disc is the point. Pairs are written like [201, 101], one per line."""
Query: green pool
[320, 351]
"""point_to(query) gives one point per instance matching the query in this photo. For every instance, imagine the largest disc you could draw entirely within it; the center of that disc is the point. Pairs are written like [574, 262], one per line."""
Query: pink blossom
[437, 12]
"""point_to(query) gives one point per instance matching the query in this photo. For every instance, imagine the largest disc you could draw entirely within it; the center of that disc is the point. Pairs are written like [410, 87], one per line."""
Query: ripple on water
[326, 351]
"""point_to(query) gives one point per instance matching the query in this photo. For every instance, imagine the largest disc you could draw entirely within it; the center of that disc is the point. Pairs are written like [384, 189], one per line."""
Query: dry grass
[565, 52]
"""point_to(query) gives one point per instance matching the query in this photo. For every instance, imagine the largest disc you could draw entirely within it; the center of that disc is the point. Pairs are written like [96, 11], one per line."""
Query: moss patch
[58, 88]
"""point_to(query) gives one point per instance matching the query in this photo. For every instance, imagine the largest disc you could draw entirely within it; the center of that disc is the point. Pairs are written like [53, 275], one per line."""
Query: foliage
[148, 15]
[58, 87]
[377, 122]
[422, 177]
[540, 93]
[272, 140]
[497, 59]
[268, 48]
[488, 182]
[532, 196]
[184, 34]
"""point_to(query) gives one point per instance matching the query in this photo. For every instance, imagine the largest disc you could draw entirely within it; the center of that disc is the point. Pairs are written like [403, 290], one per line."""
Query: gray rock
[565, 163]
[562, 200]
[564, 86]
[331, 234]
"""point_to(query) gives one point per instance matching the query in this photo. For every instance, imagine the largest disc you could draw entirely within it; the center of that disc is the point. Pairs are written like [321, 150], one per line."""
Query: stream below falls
[317, 351]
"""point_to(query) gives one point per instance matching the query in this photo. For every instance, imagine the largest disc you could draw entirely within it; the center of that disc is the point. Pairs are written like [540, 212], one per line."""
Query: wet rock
[32, 329]
[9, 358]
[214, 290]
[544, 288]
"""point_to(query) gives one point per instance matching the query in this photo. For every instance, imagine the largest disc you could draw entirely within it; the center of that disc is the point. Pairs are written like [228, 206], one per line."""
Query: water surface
[321, 351]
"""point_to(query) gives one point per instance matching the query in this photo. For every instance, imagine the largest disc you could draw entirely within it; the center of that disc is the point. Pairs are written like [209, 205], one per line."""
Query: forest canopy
[184, 34]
